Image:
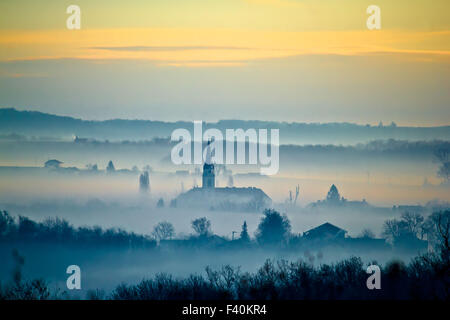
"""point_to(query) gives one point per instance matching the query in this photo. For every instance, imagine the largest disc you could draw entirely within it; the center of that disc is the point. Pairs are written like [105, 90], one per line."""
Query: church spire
[209, 177]
[208, 153]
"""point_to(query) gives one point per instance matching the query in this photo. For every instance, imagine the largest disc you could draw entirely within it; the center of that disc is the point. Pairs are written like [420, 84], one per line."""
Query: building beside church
[325, 231]
[335, 200]
[210, 197]
[53, 164]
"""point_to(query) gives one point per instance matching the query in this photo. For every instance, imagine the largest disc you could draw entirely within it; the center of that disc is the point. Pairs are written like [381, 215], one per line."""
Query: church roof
[247, 199]
[231, 190]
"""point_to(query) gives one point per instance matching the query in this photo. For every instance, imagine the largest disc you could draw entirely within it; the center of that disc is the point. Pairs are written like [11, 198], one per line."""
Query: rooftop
[325, 228]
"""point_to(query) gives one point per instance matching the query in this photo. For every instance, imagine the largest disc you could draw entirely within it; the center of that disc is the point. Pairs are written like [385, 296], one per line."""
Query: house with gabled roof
[325, 231]
[53, 163]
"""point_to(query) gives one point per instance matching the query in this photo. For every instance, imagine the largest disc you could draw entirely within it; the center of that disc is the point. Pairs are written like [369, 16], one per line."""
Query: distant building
[144, 182]
[77, 139]
[208, 177]
[237, 199]
[333, 195]
[53, 164]
[231, 198]
[327, 234]
[110, 168]
[325, 231]
[334, 199]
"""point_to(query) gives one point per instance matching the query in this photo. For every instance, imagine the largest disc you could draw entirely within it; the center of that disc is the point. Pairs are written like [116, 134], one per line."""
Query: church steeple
[209, 177]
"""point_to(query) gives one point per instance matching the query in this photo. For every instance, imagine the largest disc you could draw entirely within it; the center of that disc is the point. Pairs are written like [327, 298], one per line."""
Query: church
[210, 197]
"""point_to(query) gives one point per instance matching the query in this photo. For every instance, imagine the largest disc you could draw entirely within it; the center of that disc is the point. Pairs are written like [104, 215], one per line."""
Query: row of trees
[56, 230]
[412, 226]
[165, 230]
[443, 157]
[425, 277]
[273, 228]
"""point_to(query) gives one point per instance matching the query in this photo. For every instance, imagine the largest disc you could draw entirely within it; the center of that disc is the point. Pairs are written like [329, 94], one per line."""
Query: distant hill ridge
[34, 123]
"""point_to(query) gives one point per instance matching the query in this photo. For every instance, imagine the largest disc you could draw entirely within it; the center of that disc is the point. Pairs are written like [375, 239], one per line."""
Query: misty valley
[252, 159]
[139, 226]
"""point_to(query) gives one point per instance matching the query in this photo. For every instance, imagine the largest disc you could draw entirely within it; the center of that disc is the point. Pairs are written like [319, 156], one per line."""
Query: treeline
[391, 147]
[426, 277]
[56, 230]
[274, 230]
[413, 226]
[38, 124]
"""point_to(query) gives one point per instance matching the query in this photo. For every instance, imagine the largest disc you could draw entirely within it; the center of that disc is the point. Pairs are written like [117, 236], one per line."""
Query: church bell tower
[209, 177]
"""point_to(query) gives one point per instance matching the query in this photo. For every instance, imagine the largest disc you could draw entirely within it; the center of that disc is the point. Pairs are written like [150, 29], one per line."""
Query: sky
[284, 60]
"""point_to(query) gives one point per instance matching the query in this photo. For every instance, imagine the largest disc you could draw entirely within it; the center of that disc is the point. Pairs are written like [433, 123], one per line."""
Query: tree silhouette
[273, 229]
[7, 224]
[202, 226]
[244, 233]
[437, 229]
[443, 157]
[413, 221]
[163, 231]
[409, 227]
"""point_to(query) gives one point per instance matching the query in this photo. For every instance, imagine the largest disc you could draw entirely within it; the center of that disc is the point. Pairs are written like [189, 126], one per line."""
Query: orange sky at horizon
[284, 53]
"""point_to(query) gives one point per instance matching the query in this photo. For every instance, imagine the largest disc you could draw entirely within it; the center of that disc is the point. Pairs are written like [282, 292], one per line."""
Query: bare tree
[202, 226]
[413, 221]
[444, 171]
[411, 225]
[163, 231]
[391, 229]
[436, 227]
[443, 157]
[443, 227]
[442, 154]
